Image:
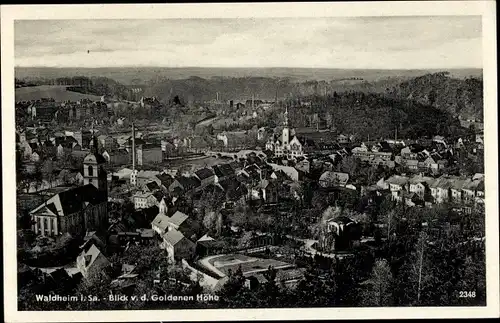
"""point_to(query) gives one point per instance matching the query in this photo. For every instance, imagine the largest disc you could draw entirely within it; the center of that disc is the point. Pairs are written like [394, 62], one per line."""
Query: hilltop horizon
[137, 75]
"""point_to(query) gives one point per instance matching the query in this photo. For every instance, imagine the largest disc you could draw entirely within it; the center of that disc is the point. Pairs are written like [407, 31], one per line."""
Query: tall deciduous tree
[377, 290]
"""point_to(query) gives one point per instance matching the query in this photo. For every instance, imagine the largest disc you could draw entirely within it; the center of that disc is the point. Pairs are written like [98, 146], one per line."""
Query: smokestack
[253, 100]
[217, 96]
[133, 146]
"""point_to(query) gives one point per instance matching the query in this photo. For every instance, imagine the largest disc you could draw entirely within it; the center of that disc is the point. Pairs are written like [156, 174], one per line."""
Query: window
[91, 171]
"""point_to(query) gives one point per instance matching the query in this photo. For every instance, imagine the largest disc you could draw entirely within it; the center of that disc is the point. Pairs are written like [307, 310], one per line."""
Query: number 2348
[467, 294]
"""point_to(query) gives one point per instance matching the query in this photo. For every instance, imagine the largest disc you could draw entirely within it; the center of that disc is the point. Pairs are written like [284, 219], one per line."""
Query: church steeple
[95, 149]
[285, 137]
[286, 116]
[93, 168]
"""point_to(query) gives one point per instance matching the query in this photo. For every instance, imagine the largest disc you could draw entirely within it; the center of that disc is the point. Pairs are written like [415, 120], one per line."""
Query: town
[277, 207]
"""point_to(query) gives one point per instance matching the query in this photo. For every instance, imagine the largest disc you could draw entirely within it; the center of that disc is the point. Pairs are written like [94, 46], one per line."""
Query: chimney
[133, 146]
[253, 98]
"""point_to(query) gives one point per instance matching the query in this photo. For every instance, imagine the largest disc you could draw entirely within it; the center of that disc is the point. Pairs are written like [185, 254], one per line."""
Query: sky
[360, 42]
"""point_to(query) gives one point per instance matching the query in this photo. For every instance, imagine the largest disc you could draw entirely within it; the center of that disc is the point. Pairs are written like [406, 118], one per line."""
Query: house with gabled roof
[420, 185]
[151, 187]
[177, 245]
[165, 180]
[205, 175]
[397, 184]
[92, 263]
[223, 171]
[440, 190]
[143, 200]
[456, 189]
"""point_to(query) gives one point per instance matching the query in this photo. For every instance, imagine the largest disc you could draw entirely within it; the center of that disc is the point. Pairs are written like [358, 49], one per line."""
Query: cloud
[364, 42]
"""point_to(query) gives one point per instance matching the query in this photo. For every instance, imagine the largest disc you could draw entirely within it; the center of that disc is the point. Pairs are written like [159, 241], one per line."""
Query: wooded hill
[377, 116]
[456, 96]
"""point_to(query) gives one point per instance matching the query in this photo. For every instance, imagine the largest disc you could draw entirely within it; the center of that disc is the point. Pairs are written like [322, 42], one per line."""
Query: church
[78, 209]
[293, 148]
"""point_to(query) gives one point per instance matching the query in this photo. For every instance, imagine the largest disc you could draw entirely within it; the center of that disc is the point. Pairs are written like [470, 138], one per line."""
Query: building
[142, 177]
[440, 190]
[106, 142]
[94, 171]
[73, 211]
[78, 209]
[144, 200]
[289, 146]
[92, 263]
[397, 186]
[269, 191]
[206, 176]
[177, 245]
[261, 134]
[341, 233]
[117, 157]
[222, 172]
[333, 179]
[291, 172]
[420, 186]
[149, 154]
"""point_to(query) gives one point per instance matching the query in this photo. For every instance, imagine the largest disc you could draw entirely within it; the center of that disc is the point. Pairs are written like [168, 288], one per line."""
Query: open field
[56, 92]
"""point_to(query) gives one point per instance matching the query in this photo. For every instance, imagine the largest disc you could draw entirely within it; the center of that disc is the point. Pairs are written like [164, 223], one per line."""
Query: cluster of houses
[44, 111]
[427, 191]
[252, 178]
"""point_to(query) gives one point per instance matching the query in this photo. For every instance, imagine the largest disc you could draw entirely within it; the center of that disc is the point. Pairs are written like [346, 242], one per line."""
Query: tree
[419, 274]
[378, 289]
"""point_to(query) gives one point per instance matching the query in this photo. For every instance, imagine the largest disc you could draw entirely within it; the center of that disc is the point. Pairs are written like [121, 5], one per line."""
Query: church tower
[286, 131]
[94, 171]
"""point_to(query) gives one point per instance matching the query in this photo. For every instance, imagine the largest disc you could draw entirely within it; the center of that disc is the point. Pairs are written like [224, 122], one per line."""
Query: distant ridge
[132, 75]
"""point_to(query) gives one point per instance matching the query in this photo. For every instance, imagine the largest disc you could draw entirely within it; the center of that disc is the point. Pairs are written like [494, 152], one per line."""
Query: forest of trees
[455, 96]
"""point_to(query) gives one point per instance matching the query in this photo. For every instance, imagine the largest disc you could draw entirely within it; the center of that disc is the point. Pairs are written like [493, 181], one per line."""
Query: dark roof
[72, 200]
[150, 213]
[255, 160]
[165, 179]
[234, 189]
[33, 145]
[189, 182]
[204, 173]
[281, 176]
[152, 186]
[223, 170]
[306, 141]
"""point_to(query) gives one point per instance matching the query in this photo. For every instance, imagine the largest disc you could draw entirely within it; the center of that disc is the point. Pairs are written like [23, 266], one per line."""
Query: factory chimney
[133, 147]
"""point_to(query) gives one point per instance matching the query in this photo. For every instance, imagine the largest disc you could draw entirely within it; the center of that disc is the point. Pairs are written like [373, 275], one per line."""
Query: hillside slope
[458, 97]
[57, 92]
[378, 116]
